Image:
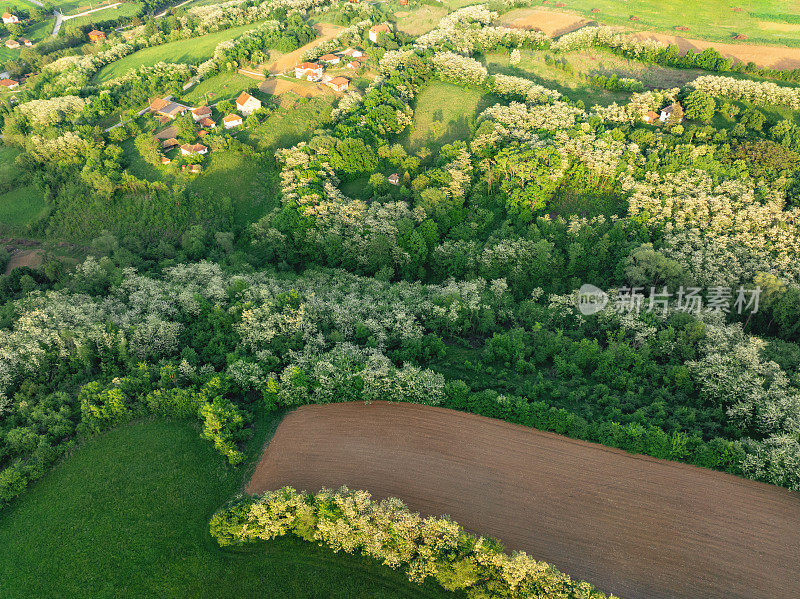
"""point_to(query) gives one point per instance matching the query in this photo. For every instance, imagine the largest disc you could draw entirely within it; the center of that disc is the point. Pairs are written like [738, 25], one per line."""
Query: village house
[167, 108]
[651, 117]
[189, 149]
[169, 143]
[376, 30]
[394, 179]
[354, 64]
[165, 160]
[308, 70]
[9, 83]
[9, 19]
[231, 121]
[667, 112]
[27, 42]
[330, 59]
[12, 44]
[96, 36]
[351, 53]
[200, 113]
[247, 104]
[208, 123]
[338, 84]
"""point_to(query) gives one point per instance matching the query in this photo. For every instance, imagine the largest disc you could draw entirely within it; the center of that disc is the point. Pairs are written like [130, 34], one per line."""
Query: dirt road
[636, 526]
[288, 61]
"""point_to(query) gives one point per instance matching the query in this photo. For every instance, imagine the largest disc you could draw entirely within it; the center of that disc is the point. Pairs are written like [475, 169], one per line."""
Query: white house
[9, 83]
[308, 70]
[247, 104]
[330, 59]
[338, 84]
[667, 112]
[376, 30]
[8, 18]
[231, 121]
[189, 149]
[394, 179]
[200, 113]
[352, 53]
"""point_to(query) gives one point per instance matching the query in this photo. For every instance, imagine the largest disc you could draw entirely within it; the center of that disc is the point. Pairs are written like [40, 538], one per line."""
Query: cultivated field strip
[639, 527]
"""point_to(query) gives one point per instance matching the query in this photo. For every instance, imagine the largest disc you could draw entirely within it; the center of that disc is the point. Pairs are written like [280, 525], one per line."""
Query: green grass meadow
[127, 516]
[443, 113]
[762, 21]
[183, 51]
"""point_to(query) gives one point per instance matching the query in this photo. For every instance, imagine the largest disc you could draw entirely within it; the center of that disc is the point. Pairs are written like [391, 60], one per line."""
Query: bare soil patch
[637, 526]
[550, 22]
[277, 87]
[326, 32]
[773, 57]
[30, 258]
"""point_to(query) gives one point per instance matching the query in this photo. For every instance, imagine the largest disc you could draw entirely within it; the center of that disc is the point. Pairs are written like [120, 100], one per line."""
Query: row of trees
[433, 547]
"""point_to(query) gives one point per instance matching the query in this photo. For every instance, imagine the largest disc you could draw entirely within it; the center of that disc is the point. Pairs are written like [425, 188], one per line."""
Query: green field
[21, 207]
[219, 87]
[191, 50]
[420, 20]
[97, 19]
[444, 113]
[127, 516]
[763, 21]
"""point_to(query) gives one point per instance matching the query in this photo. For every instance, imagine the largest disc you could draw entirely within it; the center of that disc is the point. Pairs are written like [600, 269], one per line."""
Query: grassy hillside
[183, 51]
[127, 516]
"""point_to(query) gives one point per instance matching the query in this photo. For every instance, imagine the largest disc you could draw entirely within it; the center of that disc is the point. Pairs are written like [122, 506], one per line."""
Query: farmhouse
[651, 117]
[338, 84]
[200, 113]
[376, 30]
[96, 36]
[247, 104]
[12, 44]
[9, 83]
[231, 121]
[330, 59]
[166, 108]
[165, 160]
[667, 112]
[308, 70]
[354, 64]
[394, 179]
[208, 123]
[169, 143]
[9, 19]
[352, 53]
[27, 42]
[189, 149]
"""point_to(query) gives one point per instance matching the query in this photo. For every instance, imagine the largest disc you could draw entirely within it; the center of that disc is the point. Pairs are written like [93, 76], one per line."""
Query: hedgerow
[433, 547]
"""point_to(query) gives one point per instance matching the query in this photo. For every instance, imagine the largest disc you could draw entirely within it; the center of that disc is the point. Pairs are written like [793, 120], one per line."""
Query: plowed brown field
[636, 526]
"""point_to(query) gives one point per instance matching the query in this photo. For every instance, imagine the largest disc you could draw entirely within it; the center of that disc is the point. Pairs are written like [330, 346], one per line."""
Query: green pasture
[127, 516]
[443, 113]
[188, 51]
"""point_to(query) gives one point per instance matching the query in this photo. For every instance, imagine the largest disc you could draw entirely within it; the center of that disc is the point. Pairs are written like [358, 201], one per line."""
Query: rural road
[636, 526]
[61, 18]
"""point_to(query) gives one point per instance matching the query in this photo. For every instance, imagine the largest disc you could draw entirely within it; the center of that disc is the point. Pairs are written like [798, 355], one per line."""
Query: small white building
[231, 121]
[376, 30]
[394, 179]
[247, 104]
[667, 112]
[330, 59]
[9, 19]
[189, 149]
[200, 113]
[308, 70]
[352, 53]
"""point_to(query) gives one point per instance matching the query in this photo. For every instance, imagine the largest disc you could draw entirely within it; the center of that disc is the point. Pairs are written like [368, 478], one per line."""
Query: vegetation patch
[127, 516]
[443, 113]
